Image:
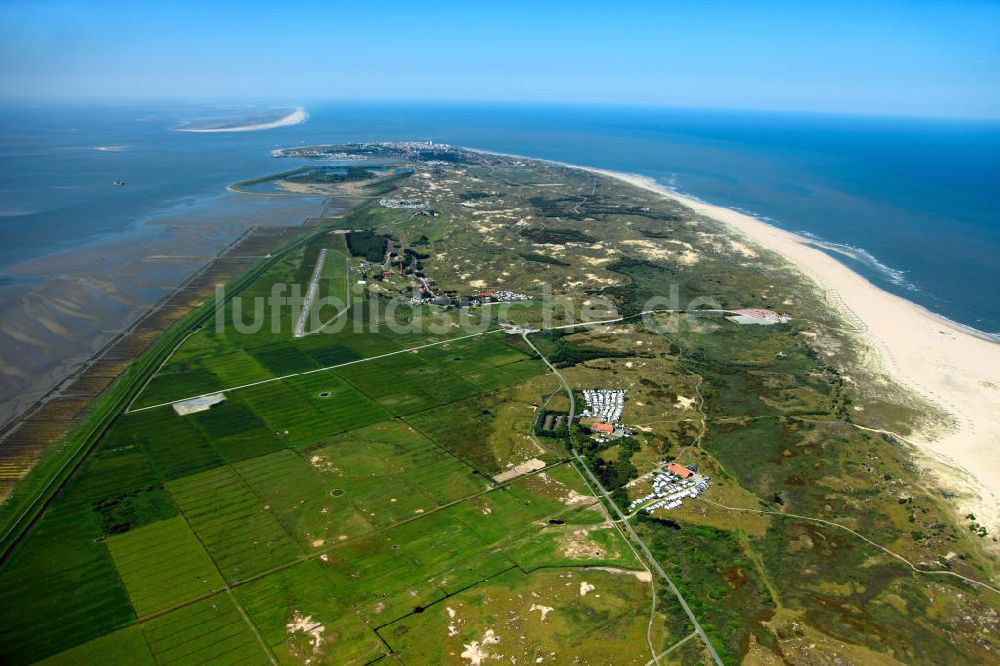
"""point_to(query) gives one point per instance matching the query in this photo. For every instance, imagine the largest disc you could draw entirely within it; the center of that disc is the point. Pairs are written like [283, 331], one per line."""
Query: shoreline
[115, 279]
[296, 117]
[950, 365]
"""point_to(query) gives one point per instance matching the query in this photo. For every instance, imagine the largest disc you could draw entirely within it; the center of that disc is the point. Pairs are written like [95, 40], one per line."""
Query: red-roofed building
[679, 470]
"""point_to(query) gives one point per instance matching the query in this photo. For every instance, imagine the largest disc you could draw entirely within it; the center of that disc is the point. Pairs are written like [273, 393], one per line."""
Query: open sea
[914, 203]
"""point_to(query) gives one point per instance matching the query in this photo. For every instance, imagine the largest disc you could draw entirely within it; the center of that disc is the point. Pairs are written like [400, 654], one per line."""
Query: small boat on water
[120, 183]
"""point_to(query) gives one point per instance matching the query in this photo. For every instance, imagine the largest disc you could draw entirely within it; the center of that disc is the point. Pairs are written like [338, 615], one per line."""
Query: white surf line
[943, 572]
[300, 325]
[312, 372]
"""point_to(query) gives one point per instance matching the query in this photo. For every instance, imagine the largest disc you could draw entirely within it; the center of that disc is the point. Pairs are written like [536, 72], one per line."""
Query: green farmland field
[162, 565]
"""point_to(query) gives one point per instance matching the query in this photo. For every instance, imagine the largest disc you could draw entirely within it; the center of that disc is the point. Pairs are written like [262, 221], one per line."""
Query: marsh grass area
[339, 506]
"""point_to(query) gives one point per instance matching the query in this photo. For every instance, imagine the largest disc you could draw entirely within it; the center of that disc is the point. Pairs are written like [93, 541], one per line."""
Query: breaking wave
[859, 254]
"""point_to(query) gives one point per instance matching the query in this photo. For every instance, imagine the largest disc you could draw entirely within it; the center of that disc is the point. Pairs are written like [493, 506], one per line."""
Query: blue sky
[901, 58]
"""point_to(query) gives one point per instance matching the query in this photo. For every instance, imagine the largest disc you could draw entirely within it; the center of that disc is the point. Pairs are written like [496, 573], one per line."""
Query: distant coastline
[296, 117]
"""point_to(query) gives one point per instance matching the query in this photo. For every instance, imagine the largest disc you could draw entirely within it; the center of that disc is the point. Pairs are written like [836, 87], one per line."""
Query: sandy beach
[951, 366]
[296, 117]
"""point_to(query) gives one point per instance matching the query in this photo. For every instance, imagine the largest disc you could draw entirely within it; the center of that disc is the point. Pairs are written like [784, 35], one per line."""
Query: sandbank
[296, 117]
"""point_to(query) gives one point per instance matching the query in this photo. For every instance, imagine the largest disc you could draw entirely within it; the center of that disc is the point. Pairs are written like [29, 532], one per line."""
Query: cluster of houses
[670, 488]
[476, 300]
[425, 293]
[317, 153]
[502, 296]
[401, 203]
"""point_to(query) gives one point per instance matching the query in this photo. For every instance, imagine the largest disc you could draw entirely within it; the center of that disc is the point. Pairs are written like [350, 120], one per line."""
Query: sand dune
[951, 366]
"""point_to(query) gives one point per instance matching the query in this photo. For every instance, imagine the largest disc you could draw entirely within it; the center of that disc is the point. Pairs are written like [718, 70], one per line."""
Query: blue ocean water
[915, 202]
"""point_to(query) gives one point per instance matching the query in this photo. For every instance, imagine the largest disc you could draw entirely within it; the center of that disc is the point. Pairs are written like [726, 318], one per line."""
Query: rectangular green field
[59, 588]
[292, 418]
[485, 361]
[382, 579]
[235, 431]
[376, 460]
[125, 646]
[463, 428]
[174, 383]
[235, 368]
[502, 376]
[310, 408]
[211, 631]
[111, 472]
[237, 528]
[345, 407]
[326, 352]
[173, 443]
[162, 565]
[473, 354]
[283, 358]
[405, 383]
[303, 498]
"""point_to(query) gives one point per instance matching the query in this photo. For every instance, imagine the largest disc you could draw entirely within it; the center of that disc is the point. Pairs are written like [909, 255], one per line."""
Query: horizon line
[19, 100]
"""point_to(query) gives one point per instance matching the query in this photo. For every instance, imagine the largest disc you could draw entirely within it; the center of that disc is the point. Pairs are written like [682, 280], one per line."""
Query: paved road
[569, 391]
[312, 372]
[622, 520]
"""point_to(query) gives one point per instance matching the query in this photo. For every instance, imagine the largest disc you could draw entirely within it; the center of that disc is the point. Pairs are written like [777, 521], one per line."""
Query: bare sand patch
[312, 630]
[641, 575]
[651, 250]
[743, 249]
[519, 470]
[544, 610]
[577, 545]
[684, 403]
[593, 277]
[648, 249]
[477, 651]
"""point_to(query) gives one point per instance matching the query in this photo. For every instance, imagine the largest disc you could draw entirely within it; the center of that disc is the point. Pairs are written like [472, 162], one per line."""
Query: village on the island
[671, 484]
